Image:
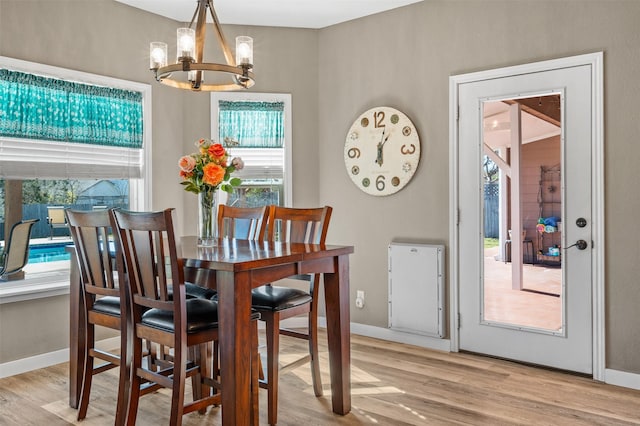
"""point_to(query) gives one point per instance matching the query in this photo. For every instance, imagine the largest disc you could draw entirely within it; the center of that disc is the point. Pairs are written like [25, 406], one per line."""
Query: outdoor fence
[39, 211]
[491, 210]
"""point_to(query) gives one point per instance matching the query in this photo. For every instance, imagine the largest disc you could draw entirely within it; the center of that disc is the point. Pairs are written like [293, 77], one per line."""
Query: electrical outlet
[359, 299]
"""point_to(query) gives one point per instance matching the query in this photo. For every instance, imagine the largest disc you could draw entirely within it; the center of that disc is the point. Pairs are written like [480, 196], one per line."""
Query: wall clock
[382, 151]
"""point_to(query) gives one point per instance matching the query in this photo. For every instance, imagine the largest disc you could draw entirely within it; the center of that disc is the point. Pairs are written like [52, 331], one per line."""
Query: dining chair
[246, 223]
[103, 301]
[276, 303]
[162, 313]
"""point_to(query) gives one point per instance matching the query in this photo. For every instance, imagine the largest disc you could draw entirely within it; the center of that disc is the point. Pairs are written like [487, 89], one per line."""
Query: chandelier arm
[201, 31]
[195, 13]
[221, 39]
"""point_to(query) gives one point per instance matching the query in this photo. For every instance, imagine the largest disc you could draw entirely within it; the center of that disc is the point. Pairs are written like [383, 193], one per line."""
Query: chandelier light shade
[190, 71]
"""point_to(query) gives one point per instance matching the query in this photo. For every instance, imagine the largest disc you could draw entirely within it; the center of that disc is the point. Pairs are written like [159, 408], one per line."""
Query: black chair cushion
[107, 305]
[275, 298]
[193, 290]
[202, 315]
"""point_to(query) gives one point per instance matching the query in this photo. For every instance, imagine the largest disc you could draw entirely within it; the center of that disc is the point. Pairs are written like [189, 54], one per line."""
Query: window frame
[216, 97]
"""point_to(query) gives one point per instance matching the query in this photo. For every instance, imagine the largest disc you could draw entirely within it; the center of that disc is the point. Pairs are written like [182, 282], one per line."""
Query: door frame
[595, 60]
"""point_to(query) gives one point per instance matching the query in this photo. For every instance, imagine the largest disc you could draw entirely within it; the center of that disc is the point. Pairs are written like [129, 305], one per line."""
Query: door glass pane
[521, 166]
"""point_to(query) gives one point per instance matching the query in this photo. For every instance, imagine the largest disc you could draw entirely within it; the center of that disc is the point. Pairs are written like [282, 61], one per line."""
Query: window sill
[38, 285]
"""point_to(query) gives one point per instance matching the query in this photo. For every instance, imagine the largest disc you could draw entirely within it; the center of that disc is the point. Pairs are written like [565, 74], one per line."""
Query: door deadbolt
[581, 222]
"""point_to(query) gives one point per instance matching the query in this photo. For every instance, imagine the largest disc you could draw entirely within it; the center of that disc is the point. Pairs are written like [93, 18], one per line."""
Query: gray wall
[402, 58]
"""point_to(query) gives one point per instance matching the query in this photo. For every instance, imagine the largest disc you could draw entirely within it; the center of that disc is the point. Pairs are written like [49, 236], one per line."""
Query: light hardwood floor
[392, 384]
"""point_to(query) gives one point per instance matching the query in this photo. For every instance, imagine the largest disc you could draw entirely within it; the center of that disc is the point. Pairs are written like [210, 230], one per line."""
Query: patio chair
[55, 219]
[16, 250]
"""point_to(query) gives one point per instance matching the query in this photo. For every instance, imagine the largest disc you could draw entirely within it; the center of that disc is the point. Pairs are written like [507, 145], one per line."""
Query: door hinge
[459, 320]
[458, 113]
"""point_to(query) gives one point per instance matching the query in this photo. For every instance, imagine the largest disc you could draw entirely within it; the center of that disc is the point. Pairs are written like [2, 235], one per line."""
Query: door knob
[580, 245]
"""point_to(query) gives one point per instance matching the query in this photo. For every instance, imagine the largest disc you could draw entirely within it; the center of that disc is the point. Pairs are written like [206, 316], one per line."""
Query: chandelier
[189, 70]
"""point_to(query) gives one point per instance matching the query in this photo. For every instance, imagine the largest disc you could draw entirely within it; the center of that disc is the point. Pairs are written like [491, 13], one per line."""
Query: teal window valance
[37, 107]
[253, 124]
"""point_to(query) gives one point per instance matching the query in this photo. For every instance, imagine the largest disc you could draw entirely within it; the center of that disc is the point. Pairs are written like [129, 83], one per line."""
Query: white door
[569, 345]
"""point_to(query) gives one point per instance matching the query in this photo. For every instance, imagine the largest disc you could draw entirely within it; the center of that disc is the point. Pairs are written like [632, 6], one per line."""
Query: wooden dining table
[241, 265]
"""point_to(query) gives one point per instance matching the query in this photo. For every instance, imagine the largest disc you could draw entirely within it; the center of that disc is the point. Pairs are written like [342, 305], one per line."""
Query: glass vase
[207, 218]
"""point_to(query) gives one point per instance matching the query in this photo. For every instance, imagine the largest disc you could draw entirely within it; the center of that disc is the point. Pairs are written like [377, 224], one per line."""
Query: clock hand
[385, 139]
[379, 159]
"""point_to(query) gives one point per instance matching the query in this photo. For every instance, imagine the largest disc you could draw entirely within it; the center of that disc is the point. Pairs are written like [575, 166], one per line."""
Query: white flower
[237, 163]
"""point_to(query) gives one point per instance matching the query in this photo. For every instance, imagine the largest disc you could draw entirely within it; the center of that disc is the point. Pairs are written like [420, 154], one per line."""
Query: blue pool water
[40, 253]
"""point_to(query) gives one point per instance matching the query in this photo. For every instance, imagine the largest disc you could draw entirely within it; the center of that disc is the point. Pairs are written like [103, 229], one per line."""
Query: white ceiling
[273, 13]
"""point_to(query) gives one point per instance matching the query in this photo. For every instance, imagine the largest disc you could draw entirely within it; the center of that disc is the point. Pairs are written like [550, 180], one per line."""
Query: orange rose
[217, 150]
[213, 174]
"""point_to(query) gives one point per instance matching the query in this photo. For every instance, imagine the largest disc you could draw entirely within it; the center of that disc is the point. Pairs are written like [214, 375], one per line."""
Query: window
[261, 125]
[73, 139]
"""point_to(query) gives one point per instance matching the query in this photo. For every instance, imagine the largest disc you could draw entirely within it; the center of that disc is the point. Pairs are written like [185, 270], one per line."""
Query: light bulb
[157, 55]
[186, 43]
[244, 50]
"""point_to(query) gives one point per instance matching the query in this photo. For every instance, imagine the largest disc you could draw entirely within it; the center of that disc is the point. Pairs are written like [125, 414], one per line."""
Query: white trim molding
[595, 60]
[622, 378]
[382, 333]
[48, 359]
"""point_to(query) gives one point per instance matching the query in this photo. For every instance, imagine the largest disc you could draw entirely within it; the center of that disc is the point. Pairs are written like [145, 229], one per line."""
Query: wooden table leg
[336, 290]
[234, 312]
[77, 336]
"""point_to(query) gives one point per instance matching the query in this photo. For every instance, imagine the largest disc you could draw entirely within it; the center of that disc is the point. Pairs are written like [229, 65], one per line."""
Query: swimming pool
[41, 253]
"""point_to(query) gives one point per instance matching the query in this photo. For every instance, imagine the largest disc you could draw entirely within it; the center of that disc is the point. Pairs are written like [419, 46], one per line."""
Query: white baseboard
[11, 368]
[381, 333]
[622, 378]
[35, 362]
[401, 337]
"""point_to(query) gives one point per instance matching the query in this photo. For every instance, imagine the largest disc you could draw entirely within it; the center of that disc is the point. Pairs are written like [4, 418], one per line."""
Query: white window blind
[20, 158]
[260, 163]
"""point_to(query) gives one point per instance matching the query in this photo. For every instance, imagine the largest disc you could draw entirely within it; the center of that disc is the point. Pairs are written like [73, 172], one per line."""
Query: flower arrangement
[209, 169]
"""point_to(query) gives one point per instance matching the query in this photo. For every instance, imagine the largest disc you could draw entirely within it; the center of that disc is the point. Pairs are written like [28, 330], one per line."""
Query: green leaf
[235, 181]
